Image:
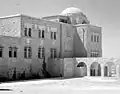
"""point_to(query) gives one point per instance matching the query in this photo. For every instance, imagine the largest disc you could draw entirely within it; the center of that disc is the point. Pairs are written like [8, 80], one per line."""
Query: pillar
[117, 71]
[88, 70]
[102, 70]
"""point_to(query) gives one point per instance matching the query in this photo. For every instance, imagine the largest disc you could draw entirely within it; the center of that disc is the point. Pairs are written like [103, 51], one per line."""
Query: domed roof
[71, 10]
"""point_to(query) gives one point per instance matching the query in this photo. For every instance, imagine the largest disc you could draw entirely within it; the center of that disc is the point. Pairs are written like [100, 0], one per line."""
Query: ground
[86, 85]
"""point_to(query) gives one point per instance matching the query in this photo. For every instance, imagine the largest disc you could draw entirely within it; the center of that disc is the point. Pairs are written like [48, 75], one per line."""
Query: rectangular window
[29, 33]
[94, 54]
[27, 52]
[1, 51]
[13, 52]
[53, 35]
[92, 38]
[91, 55]
[97, 38]
[25, 32]
[41, 52]
[10, 52]
[43, 33]
[39, 33]
[53, 53]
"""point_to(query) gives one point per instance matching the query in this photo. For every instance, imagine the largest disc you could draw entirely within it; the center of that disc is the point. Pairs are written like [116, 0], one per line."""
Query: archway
[83, 69]
[95, 69]
[109, 69]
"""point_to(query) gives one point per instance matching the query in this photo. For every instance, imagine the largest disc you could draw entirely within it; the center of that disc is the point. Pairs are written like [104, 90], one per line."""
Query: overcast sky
[104, 13]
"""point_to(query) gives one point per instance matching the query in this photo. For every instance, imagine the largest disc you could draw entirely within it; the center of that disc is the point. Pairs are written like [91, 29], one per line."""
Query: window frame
[13, 52]
[1, 51]
[28, 32]
[53, 35]
[27, 52]
[41, 52]
[53, 53]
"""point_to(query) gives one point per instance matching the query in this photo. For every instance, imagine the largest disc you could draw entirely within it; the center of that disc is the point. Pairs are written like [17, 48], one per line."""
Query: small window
[13, 52]
[39, 33]
[53, 53]
[43, 33]
[1, 51]
[10, 51]
[97, 38]
[41, 52]
[90, 54]
[92, 38]
[29, 32]
[25, 32]
[84, 22]
[54, 35]
[51, 35]
[27, 52]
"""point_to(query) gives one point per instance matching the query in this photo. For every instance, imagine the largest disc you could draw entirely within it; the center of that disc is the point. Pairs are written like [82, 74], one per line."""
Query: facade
[25, 41]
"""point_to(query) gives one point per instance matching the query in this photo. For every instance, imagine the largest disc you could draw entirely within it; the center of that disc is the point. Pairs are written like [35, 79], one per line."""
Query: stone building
[26, 40]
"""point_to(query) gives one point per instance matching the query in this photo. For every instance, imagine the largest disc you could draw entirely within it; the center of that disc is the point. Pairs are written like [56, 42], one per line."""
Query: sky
[103, 13]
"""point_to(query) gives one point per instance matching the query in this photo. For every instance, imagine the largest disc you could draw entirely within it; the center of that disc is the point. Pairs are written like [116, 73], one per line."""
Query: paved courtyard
[93, 85]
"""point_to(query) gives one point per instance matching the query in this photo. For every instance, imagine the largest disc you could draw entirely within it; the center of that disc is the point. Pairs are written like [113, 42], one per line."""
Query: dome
[71, 10]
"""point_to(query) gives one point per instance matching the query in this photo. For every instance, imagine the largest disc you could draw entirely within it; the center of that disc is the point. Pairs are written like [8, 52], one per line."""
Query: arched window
[81, 64]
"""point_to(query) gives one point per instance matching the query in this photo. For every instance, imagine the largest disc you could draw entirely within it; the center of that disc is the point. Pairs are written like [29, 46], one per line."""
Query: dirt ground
[65, 86]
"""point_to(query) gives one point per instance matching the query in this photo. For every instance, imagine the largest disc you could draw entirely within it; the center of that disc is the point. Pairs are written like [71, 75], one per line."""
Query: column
[102, 70]
[117, 71]
[88, 70]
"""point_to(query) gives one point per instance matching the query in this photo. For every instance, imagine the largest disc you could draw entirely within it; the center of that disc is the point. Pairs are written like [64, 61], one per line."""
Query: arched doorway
[109, 69]
[83, 69]
[95, 69]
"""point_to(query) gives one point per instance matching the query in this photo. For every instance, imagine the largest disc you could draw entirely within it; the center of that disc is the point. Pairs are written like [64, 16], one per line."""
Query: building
[26, 40]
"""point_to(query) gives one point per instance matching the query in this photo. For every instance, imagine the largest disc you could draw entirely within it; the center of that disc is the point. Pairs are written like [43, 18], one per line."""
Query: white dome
[71, 10]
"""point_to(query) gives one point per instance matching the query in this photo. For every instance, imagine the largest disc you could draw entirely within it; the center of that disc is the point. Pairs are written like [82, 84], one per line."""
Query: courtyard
[86, 85]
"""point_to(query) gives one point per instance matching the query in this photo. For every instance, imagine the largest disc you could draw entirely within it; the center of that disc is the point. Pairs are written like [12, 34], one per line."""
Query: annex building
[68, 44]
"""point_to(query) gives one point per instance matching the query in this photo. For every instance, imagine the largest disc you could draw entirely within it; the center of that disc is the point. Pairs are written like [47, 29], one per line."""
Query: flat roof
[53, 16]
[2, 17]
